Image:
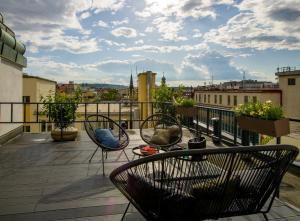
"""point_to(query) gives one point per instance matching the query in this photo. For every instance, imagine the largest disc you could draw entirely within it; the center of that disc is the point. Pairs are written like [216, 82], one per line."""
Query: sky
[190, 41]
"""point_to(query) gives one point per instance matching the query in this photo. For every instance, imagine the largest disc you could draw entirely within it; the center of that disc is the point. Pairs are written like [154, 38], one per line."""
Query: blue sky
[101, 41]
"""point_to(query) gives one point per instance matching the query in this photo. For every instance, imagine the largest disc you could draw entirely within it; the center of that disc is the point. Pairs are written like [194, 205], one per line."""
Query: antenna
[244, 77]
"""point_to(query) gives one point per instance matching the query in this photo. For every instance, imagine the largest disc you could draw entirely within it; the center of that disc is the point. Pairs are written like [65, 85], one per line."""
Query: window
[254, 99]
[26, 99]
[220, 99]
[228, 100]
[200, 96]
[234, 100]
[245, 99]
[216, 97]
[204, 98]
[291, 81]
[209, 98]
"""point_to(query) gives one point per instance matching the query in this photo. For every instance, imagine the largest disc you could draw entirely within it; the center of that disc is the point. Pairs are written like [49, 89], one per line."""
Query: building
[229, 98]
[146, 90]
[12, 62]
[67, 88]
[247, 84]
[289, 83]
[33, 89]
[285, 93]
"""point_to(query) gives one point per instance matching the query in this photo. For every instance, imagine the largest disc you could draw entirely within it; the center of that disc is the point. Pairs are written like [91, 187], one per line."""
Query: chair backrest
[93, 122]
[157, 122]
[216, 183]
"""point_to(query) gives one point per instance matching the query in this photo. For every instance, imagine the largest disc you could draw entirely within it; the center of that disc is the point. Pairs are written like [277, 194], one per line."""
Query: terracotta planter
[186, 111]
[274, 128]
[66, 135]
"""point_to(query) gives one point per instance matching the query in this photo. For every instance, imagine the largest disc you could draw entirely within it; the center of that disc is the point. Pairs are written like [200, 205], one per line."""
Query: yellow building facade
[33, 89]
[231, 98]
[146, 90]
[289, 83]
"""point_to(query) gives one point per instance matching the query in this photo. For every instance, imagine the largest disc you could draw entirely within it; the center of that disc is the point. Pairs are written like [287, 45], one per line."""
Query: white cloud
[139, 42]
[125, 32]
[101, 24]
[165, 48]
[120, 22]
[169, 29]
[43, 24]
[261, 25]
[181, 9]
[84, 15]
[149, 29]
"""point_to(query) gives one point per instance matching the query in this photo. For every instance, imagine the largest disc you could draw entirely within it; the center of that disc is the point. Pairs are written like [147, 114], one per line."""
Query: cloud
[204, 65]
[120, 22]
[125, 32]
[44, 24]
[181, 9]
[165, 48]
[139, 42]
[169, 29]
[101, 24]
[149, 29]
[261, 25]
[84, 15]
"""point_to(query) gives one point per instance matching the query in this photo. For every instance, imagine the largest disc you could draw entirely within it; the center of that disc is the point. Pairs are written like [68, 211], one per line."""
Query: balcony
[46, 180]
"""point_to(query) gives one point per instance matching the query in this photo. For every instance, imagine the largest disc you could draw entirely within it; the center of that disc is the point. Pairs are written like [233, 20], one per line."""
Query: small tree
[61, 108]
[110, 95]
[163, 97]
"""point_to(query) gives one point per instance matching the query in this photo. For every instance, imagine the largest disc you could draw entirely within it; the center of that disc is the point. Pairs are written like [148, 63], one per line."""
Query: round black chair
[157, 124]
[93, 122]
[174, 186]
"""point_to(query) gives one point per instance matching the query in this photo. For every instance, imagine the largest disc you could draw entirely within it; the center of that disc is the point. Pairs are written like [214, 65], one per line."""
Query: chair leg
[127, 207]
[126, 155]
[265, 216]
[93, 154]
[102, 163]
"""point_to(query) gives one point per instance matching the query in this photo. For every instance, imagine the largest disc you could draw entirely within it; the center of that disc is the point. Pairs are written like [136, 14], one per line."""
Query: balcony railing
[133, 113]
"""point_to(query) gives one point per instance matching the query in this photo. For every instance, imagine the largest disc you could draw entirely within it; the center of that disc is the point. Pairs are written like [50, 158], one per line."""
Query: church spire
[131, 86]
[163, 79]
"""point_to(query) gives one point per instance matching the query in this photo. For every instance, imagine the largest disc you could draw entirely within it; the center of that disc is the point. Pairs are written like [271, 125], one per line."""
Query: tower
[163, 79]
[146, 90]
[131, 88]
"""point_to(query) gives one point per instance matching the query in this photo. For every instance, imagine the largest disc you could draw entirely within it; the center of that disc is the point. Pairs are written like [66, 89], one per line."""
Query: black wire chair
[156, 122]
[221, 182]
[93, 122]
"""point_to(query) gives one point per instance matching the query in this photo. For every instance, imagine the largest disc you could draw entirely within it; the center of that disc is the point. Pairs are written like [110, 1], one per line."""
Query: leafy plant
[180, 100]
[61, 108]
[266, 111]
[163, 99]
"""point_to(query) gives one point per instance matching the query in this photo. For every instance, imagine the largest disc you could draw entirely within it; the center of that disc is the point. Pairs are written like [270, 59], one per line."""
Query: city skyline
[102, 41]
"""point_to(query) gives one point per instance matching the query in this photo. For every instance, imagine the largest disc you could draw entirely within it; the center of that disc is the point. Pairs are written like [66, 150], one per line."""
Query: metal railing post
[207, 121]
[130, 116]
[235, 131]
[11, 112]
[220, 125]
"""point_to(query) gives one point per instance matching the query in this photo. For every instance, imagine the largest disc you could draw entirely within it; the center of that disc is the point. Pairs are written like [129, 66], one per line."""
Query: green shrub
[266, 111]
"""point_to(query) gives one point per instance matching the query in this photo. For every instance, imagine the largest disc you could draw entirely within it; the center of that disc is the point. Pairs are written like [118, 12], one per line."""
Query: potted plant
[61, 109]
[264, 118]
[185, 107]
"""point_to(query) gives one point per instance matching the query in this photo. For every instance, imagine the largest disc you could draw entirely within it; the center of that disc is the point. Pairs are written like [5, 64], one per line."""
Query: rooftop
[46, 180]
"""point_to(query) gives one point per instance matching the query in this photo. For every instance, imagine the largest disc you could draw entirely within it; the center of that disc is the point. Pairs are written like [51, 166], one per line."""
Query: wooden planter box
[274, 128]
[186, 111]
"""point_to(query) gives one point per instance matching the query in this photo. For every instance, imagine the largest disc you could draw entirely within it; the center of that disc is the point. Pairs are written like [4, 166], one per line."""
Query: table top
[137, 151]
